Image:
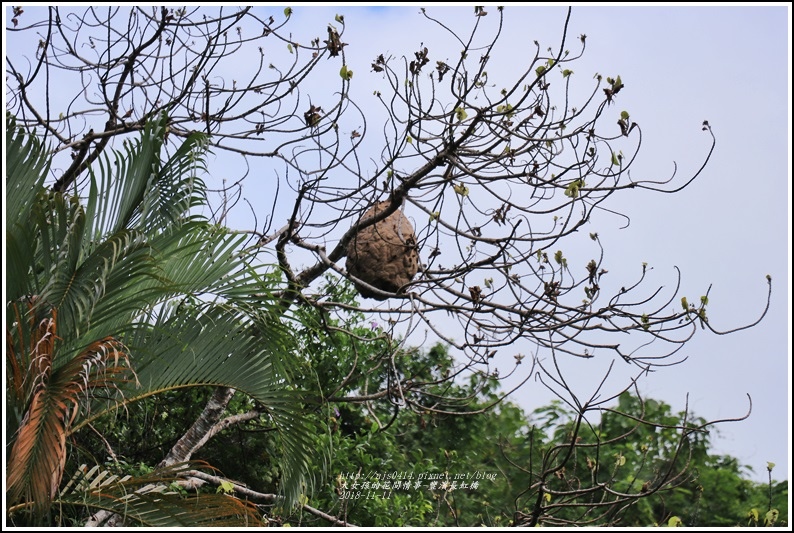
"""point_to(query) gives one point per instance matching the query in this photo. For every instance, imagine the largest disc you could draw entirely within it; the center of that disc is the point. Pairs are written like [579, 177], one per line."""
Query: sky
[681, 65]
[729, 229]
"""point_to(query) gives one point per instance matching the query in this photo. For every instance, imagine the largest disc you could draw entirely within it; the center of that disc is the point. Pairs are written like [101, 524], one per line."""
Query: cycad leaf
[205, 344]
[148, 501]
[137, 169]
[111, 271]
[26, 167]
[176, 188]
[38, 443]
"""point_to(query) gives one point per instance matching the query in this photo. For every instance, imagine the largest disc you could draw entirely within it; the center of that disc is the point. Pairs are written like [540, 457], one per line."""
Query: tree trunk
[199, 432]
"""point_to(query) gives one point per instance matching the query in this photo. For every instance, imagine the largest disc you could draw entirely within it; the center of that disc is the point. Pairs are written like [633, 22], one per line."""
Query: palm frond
[121, 274]
[113, 273]
[26, 168]
[135, 189]
[50, 399]
[150, 501]
[25, 173]
[124, 181]
[98, 279]
[207, 344]
[177, 187]
[37, 444]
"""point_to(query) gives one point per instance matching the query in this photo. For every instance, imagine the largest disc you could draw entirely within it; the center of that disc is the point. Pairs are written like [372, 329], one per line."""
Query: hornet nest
[384, 254]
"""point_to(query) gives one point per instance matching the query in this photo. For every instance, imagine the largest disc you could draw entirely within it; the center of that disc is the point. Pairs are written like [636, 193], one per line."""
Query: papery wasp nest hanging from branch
[383, 254]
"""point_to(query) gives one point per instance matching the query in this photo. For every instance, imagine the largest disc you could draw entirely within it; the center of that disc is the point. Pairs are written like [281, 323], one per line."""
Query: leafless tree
[499, 181]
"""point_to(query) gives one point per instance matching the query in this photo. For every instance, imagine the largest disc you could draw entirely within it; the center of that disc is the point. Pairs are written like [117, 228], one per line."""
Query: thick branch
[202, 429]
[265, 498]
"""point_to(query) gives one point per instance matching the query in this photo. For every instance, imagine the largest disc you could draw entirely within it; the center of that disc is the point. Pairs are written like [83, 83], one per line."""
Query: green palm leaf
[208, 344]
[135, 189]
[148, 500]
[28, 172]
[24, 177]
[136, 277]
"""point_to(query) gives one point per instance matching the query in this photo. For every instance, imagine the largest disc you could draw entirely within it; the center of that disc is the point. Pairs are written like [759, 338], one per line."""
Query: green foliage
[507, 109]
[105, 313]
[674, 521]
[346, 73]
[148, 499]
[385, 439]
[646, 459]
[559, 259]
[380, 446]
[573, 189]
[650, 458]
[382, 440]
